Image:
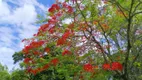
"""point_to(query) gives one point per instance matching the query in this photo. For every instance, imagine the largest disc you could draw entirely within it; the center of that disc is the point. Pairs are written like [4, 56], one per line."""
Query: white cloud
[25, 14]
[6, 59]
[6, 36]
[4, 9]
[26, 29]
[31, 2]
[21, 18]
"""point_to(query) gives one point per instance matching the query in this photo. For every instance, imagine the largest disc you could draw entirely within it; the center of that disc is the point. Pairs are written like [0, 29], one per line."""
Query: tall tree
[96, 39]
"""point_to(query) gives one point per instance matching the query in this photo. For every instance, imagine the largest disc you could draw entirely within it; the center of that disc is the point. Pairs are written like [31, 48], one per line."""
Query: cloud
[6, 36]
[4, 58]
[39, 6]
[4, 9]
[17, 18]
[21, 19]
[26, 29]
[25, 14]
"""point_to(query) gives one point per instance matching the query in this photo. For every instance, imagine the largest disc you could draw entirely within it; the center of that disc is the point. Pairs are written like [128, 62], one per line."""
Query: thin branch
[90, 32]
[104, 34]
[135, 60]
[137, 6]
[120, 8]
[136, 13]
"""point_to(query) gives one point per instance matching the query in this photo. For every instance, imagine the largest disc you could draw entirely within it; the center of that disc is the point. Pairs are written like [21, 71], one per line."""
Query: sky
[17, 21]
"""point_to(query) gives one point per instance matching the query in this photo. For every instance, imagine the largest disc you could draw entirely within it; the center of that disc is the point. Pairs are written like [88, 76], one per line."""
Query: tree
[43, 75]
[19, 75]
[4, 75]
[101, 40]
[17, 56]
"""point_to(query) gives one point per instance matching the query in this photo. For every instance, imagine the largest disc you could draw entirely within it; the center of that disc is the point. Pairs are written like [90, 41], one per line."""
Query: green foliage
[4, 75]
[19, 75]
[17, 56]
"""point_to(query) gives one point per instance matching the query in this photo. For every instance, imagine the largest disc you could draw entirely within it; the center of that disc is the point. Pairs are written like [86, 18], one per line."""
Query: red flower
[53, 8]
[34, 44]
[45, 67]
[117, 66]
[47, 49]
[43, 27]
[64, 4]
[66, 34]
[52, 21]
[51, 30]
[54, 61]
[59, 14]
[106, 66]
[27, 60]
[34, 71]
[88, 67]
[29, 69]
[113, 66]
[66, 52]
[36, 53]
[70, 9]
[61, 41]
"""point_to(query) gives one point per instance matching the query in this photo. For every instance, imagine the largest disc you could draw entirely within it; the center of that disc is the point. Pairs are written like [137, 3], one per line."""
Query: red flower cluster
[53, 8]
[50, 26]
[27, 49]
[66, 52]
[35, 71]
[106, 66]
[45, 66]
[113, 66]
[68, 7]
[88, 67]
[64, 37]
[32, 45]
[47, 49]
[47, 27]
[51, 30]
[67, 34]
[27, 60]
[54, 61]
[116, 66]
[61, 41]
[36, 53]
[43, 27]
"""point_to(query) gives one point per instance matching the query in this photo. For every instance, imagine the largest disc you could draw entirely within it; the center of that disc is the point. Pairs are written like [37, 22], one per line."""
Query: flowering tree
[88, 39]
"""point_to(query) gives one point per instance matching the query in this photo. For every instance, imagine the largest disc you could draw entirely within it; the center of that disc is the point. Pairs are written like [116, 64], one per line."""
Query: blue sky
[17, 21]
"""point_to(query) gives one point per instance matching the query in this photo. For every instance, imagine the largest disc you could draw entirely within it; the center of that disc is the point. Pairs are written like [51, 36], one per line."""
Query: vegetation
[85, 40]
